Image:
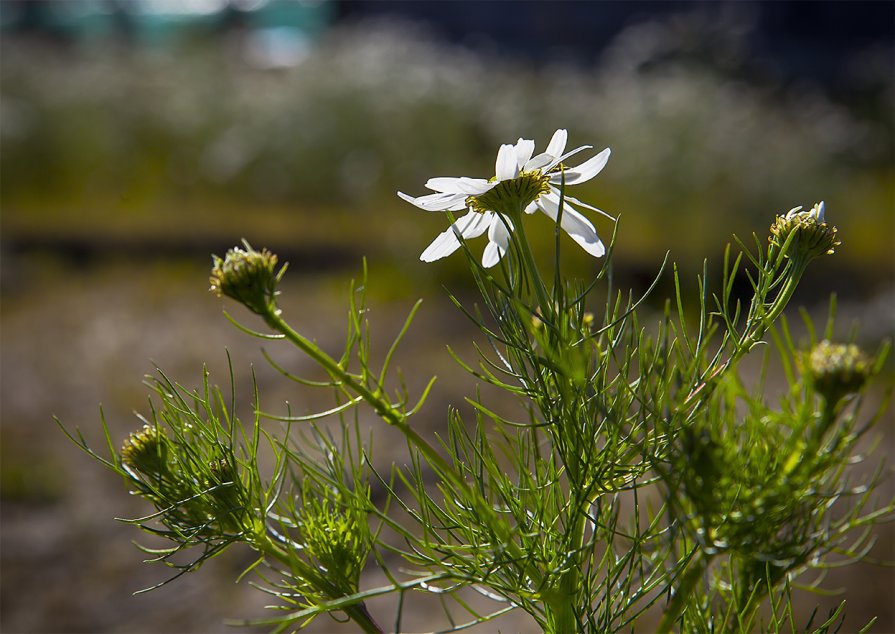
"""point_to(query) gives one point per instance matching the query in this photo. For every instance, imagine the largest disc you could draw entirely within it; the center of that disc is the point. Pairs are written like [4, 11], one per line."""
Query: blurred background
[138, 137]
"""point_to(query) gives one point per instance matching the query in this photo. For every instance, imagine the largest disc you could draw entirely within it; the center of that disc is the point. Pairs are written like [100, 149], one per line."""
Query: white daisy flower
[522, 182]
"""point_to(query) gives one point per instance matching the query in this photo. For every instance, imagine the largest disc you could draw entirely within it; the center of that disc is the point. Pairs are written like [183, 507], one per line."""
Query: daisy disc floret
[523, 182]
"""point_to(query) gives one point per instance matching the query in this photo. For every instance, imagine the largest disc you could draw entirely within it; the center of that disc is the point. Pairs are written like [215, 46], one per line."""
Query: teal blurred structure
[156, 22]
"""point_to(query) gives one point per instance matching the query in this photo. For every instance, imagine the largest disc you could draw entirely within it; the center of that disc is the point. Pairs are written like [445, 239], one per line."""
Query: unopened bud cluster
[806, 232]
[837, 369]
[333, 537]
[224, 494]
[249, 277]
[146, 451]
[204, 499]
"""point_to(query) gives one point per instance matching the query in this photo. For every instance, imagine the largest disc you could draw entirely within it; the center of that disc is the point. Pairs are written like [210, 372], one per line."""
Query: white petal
[587, 170]
[460, 205]
[471, 225]
[532, 207]
[538, 162]
[491, 255]
[820, 211]
[577, 226]
[499, 230]
[461, 185]
[524, 149]
[572, 199]
[506, 167]
[442, 246]
[498, 240]
[436, 202]
[557, 143]
[559, 159]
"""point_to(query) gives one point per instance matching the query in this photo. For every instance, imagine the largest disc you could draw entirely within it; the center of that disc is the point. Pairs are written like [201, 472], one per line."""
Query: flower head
[225, 495]
[146, 451]
[837, 369]
[811, 235]
[248, 276]
[334, 536]
[522, 182]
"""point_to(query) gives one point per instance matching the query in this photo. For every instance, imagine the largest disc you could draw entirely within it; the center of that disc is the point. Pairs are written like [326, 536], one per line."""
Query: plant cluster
[642, 472]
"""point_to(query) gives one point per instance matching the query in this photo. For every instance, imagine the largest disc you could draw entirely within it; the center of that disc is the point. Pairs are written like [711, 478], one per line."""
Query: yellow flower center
[512, 196]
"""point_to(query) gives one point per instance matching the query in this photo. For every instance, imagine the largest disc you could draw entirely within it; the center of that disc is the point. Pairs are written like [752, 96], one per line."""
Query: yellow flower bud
[836, 370]
[249, 277]
[808, 235]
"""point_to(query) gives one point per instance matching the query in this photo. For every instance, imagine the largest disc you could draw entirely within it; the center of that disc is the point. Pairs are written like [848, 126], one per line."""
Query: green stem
[563, 605]
[781, 301]
[397, 419]
[360, 615]
[380, 404]
[827, 418]
[749, 597]
[757, 324]
[691, 577]
[357, 612]
[529, 262]
[560, 602]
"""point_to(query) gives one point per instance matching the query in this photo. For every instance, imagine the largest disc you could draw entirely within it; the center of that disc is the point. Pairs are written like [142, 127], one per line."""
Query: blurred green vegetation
[192, 143]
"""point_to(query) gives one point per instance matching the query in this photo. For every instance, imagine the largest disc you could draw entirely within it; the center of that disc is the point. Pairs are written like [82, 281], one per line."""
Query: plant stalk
[693, 575]
[397, 419]
[357, 612]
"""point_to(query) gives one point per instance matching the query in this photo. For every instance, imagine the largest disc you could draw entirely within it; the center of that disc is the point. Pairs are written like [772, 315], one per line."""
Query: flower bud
[836, 370]
[806, 232]
[146, 451]
[224, 488]
[333, 537]
[249, 277]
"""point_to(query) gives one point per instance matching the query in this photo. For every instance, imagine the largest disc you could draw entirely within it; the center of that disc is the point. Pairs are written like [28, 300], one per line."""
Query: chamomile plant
[644, 482]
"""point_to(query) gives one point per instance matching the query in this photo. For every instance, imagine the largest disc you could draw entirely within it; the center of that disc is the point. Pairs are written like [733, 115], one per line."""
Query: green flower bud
[587, 320]
[333, 537]
[836, 370]
[146, 451]
[536, 322]
[249, 277]
[225, 495]
[808, 235]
